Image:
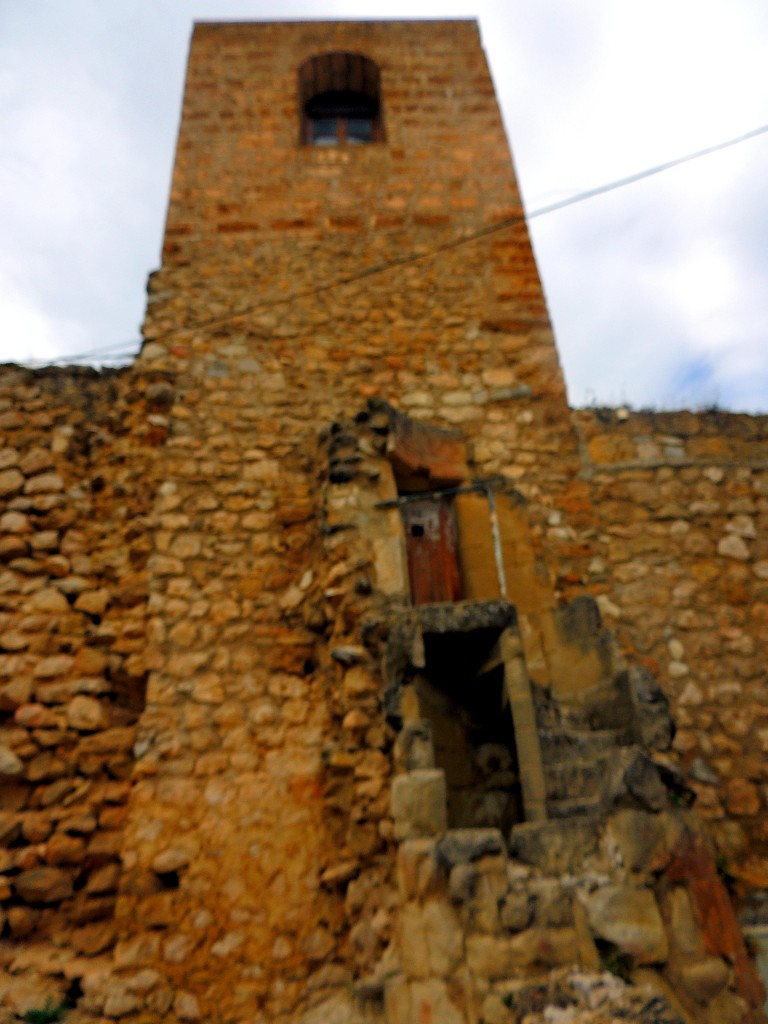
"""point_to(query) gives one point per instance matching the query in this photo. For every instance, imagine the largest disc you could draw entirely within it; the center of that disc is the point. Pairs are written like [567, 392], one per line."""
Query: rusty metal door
[431, 541]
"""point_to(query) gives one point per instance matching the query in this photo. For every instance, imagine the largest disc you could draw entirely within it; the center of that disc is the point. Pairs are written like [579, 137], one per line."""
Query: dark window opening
[340, 118]
[340, 105]
[461, 692]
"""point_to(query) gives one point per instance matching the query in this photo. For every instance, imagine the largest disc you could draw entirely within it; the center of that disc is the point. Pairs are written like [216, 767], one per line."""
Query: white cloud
[29, 335]
[657, 287]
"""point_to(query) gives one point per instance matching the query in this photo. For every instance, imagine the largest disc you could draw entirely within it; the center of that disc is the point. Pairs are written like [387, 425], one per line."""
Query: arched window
[340, 103]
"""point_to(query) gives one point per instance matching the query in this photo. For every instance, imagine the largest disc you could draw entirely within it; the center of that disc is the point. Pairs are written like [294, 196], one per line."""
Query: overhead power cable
[581, 197]
[417, 257]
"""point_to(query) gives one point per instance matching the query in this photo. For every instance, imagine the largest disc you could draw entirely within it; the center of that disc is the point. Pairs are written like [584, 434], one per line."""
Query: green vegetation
[49, 1013]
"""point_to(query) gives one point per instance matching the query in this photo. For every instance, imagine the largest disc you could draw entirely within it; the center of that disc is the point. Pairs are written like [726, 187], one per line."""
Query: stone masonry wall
[344, 259]
[681, 563]
[220, 844]
[76, 488]
[287, 298]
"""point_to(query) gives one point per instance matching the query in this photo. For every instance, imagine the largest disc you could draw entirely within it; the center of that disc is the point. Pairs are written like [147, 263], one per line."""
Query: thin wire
[103, 360]
[411, 258]
[632, 178]
[117, 346]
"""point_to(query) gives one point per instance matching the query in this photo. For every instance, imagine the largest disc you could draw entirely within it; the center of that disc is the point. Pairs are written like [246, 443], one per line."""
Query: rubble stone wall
[296, 284]
[194, 603]
[681, 570]
[77, 485]
[494, 936]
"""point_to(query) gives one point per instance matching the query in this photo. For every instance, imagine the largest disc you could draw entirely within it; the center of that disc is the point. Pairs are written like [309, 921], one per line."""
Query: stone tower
[389, 765]
[303, 286]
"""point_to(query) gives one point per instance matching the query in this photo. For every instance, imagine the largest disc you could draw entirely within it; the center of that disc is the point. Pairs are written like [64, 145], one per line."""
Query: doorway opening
[461, 692]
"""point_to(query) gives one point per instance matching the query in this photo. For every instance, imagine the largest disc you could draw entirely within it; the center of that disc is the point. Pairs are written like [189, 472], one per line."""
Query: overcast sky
[657, 291]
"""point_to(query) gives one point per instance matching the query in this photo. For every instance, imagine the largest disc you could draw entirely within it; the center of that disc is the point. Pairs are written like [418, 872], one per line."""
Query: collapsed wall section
[631, 879]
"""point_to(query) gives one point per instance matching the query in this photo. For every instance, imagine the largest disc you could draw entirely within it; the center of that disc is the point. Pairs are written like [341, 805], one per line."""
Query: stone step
[561, 744]
[586, 807]
[612, 709]
[577, 778]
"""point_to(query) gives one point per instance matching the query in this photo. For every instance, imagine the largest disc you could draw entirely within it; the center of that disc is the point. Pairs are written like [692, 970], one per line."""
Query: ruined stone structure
[337, 652]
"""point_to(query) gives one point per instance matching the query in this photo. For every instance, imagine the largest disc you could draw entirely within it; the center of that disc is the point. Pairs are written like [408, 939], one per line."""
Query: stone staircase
[577, 763]
[581, 748]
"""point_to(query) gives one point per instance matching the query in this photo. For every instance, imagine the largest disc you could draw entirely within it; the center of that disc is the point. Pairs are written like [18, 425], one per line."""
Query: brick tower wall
[258, 222]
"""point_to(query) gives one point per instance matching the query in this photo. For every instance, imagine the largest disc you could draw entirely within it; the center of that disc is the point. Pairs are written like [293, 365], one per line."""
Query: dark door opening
[461, 691]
